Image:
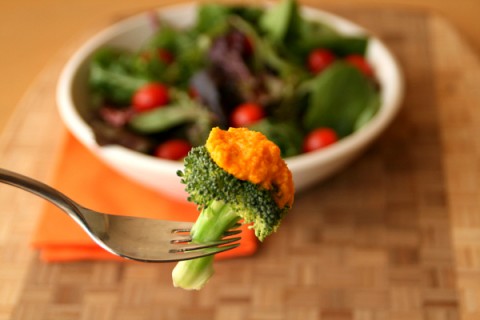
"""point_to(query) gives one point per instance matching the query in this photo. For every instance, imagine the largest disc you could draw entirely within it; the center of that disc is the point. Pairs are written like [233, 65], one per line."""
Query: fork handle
[40, 189]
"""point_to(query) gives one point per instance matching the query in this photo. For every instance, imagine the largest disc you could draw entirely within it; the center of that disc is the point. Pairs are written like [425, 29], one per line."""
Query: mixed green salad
[299, 82]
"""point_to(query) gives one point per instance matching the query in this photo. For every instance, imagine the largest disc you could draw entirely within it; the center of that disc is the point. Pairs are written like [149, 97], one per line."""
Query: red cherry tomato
[150, 96]
[248, 46]
[165, 55]
[361, 63]
[174, 149]
[246, 114]
[193, 93]
[319, 60]
[319, 138]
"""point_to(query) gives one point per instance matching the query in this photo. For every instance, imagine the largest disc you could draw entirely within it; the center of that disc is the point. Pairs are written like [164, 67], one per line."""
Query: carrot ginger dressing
[249, 155]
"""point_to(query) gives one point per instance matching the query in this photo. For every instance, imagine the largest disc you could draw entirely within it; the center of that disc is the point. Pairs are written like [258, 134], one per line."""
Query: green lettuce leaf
[338, 97]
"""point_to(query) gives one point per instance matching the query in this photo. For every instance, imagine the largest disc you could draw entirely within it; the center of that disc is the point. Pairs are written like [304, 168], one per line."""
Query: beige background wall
[33, 31]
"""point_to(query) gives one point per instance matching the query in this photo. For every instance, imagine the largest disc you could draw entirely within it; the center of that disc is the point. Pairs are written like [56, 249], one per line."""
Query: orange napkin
[88, 181]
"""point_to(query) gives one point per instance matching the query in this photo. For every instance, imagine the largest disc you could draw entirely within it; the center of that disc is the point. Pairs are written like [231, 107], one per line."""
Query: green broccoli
[238, 176]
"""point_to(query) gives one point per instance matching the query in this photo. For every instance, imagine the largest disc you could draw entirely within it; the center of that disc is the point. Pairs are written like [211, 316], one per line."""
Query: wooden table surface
[394, 236]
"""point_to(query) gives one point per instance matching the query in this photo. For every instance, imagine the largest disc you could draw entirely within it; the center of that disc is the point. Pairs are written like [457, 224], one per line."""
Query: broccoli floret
[206, 182]
[223, 201]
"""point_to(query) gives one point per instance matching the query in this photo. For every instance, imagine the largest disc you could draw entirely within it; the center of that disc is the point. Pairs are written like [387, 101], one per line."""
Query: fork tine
[188, 237]
[181, 239]
[231, 233]
[205, 245]
[181, 227]
[187, 255]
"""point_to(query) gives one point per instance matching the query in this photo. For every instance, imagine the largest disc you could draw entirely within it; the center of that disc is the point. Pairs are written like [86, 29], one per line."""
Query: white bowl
[160, 175]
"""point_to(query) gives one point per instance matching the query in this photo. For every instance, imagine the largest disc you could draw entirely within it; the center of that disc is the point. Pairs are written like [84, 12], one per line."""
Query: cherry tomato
[150, 96]
[319, 60]
[319, 138]
[248, 46]
[193, 93]
[246, 114]
[174, 149]
[361, 63]
[165, 55]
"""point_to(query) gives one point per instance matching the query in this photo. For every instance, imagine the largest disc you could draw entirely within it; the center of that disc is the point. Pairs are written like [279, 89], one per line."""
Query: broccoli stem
[211, 224]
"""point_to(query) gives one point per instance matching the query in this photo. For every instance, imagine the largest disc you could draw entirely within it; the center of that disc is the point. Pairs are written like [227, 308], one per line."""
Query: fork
[141, 239]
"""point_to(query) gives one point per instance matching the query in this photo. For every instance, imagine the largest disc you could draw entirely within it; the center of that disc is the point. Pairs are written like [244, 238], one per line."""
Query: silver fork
[141, 239]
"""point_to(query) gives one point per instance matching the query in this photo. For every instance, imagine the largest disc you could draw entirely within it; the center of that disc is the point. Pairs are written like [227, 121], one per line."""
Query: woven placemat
[373, 242]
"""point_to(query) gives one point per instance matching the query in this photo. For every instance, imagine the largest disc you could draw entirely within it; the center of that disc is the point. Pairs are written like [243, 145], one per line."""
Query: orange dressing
[249, 155]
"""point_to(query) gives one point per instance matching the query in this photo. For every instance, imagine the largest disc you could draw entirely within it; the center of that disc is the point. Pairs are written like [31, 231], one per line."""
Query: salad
[299, 82]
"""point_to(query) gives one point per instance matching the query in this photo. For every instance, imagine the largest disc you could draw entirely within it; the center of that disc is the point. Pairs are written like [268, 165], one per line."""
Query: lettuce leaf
[338, 97]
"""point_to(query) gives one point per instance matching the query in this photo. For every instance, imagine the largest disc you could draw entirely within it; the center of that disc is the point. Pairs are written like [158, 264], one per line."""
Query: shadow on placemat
[371, 243]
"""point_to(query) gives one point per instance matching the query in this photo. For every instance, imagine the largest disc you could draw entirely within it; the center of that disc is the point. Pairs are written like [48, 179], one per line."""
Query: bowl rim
[357, 140]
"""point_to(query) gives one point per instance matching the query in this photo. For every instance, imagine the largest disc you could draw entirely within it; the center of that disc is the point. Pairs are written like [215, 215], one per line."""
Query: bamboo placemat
[394, 236]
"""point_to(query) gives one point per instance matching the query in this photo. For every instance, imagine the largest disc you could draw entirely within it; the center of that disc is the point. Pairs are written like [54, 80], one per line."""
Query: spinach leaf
[295, 36]
[368, 113]
[339, 44]
[212, 19]
[250, 14]
[277, 21]
[338, 97]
